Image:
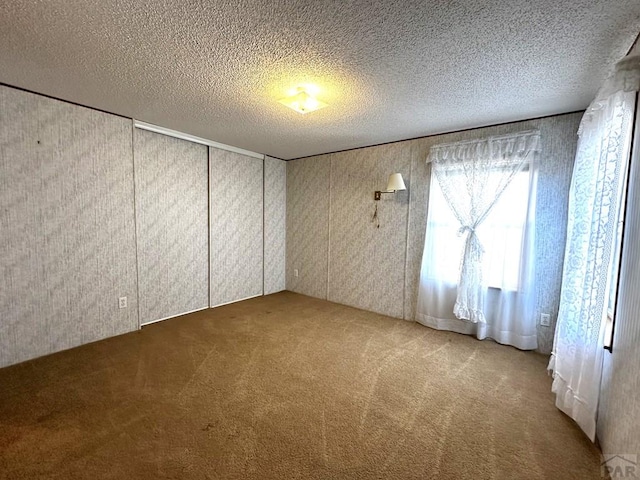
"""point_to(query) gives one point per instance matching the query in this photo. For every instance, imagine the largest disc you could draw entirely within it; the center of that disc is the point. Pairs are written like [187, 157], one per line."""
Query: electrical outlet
[545, 319]
[295, 272]
[122, 302]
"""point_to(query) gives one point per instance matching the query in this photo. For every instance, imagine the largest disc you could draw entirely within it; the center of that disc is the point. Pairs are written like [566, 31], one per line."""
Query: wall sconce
[395, 184]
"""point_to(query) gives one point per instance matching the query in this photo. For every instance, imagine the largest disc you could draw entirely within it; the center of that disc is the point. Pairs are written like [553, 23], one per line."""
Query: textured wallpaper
[619, 410]
[308, 225]
[67, 235]
[275, 217]
[367, 263]
[172, 218]
[236, 226]
[357, 254]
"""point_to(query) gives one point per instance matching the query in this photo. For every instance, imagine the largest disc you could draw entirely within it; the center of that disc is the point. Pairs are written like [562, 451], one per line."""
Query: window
[501, 235]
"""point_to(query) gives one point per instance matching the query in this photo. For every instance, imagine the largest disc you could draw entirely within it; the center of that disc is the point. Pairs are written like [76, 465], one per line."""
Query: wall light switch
[122, 302]
[545, 319]
[295, 272]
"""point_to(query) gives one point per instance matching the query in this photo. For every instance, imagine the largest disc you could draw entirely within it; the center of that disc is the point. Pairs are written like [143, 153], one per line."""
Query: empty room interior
[319, 240]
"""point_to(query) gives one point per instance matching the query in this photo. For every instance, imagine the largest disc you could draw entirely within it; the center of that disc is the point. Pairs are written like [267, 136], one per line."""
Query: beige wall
[342, 256]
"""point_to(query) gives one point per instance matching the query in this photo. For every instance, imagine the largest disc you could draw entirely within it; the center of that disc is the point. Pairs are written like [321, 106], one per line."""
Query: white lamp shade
[395, 182]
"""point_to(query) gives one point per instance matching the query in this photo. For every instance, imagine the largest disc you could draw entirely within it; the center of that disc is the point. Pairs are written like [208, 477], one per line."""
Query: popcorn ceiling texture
[388, 70]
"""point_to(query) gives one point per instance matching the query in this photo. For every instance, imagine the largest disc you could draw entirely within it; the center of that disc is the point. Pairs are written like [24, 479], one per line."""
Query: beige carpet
[287, 386]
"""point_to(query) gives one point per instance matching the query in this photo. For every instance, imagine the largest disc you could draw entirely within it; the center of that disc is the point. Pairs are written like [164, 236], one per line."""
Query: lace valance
[499, 149]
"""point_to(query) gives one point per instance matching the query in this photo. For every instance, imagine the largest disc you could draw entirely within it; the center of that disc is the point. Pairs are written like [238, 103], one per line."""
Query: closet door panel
[236, 222]
[172, 225]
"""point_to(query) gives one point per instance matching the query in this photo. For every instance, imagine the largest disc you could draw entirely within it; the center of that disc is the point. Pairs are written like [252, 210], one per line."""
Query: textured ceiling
[389, 70]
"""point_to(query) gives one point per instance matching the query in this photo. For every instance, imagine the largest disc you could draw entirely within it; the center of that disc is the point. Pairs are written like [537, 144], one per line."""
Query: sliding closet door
[236, 226]
[172, 225]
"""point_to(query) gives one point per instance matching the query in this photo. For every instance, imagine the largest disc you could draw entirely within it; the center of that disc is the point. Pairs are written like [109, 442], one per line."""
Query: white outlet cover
[122, 302]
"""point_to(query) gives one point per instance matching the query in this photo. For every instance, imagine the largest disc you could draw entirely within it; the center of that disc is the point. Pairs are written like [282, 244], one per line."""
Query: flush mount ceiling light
[302, 101]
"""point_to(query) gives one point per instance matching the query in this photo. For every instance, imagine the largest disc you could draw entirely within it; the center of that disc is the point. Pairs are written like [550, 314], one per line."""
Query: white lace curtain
[602, 155]
[469, 179]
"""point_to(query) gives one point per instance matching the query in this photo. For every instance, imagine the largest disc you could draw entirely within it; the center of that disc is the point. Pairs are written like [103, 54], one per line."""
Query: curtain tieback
[466, 228]
[473, 239]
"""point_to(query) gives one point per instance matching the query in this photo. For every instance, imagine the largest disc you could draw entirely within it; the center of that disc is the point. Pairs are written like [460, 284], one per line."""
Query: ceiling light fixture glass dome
[302, 101]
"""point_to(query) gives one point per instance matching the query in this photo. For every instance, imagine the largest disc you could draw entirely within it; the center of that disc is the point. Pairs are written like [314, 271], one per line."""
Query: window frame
[527, 170]
[621, 224]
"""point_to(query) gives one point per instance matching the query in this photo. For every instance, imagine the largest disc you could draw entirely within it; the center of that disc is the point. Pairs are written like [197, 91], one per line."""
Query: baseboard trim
[172, 316]
[236, 301]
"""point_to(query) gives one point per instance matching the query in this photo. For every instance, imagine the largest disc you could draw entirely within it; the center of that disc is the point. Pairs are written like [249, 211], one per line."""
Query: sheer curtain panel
[477, 266]
[596, 186]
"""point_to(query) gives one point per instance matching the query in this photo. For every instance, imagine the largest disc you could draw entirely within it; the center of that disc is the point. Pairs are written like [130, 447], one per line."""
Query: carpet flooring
[287, 386]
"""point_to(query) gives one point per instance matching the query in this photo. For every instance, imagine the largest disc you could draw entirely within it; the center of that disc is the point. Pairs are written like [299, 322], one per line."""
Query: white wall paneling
[367, 261]
[67, 233]
[308, 191]
[94, 209]
[341, 255]
[275, 215]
